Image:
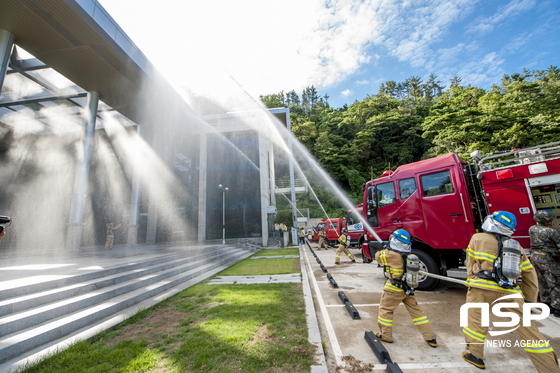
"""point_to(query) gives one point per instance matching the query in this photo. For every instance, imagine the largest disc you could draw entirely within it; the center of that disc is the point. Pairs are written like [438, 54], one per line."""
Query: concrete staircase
[40, 318]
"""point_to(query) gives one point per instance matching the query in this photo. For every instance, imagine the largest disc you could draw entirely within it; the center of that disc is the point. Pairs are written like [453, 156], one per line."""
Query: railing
[283, 184]
[508, 158]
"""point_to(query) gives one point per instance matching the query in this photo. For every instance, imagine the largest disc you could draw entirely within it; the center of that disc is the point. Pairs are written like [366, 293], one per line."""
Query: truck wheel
[427, 264]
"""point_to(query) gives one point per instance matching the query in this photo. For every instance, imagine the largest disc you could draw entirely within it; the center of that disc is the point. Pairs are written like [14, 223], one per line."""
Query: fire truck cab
[332, 227]
[443, 201]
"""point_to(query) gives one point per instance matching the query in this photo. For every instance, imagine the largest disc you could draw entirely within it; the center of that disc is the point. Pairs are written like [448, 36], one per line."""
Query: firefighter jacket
[343, 239]
[482, 252]
[393, 265]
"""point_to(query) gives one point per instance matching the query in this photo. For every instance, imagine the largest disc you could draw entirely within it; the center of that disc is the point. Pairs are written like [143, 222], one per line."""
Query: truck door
[333, 232]
[383, 209]
[445, 205]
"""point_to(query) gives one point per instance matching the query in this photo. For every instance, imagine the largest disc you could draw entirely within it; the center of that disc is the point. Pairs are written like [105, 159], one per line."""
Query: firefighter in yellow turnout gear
[487, 283]
[321, 244]
[344, 242]
[396, 291]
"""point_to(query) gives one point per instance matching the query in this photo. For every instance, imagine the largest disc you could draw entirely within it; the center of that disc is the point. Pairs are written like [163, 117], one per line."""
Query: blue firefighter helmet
[400, 240]
[500, 222]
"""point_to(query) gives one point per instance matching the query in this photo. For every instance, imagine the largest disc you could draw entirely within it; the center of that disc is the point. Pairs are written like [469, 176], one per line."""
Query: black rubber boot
[470, 358]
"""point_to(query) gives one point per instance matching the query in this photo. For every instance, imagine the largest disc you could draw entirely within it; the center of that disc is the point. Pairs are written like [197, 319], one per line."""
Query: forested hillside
[412, 120]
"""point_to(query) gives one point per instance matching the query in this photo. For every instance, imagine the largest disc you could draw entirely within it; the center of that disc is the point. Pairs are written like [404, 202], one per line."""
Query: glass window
[407, 187]
[436, 184]
[385, 194]
[352, 219]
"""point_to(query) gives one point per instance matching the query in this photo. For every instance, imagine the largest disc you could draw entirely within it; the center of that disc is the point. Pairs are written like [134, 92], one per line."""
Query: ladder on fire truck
[509, 158]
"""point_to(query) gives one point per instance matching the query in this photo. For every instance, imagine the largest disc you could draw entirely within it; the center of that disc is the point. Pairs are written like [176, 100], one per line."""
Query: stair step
[11, 289]
[78, 308]
[25, 302]
[101, 290]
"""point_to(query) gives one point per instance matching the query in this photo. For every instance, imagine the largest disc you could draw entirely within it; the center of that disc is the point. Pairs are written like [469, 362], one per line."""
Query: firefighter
[343, 243]
[490, 279]
[111, 228]
[396, 291]
[301, 236]
[545, 252]
[321, 244]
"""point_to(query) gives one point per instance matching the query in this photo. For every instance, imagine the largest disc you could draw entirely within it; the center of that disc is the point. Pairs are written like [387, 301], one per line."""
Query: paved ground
[362, 284]
[342, 335]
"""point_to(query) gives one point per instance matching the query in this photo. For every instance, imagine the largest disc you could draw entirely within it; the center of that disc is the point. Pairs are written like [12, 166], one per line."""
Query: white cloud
[272, 46]
[512, 9]
[412, 35]
[481, 72]
[344, 29]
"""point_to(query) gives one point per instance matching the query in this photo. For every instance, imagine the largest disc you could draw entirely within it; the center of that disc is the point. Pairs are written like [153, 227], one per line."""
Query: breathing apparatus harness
[409, 278]
[506, 267]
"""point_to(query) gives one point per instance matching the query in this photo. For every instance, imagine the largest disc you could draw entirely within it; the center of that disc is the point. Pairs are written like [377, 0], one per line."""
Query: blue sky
[345, 48]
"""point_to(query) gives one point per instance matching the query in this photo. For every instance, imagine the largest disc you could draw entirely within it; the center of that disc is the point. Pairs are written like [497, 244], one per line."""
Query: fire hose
[450, 279]
[457, 281]
[374, 234]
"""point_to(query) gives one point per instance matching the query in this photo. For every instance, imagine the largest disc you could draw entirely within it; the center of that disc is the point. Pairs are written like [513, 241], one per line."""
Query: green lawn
[206, 328]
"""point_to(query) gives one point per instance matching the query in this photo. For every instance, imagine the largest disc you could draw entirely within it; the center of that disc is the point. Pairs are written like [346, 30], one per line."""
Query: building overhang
[80, 40]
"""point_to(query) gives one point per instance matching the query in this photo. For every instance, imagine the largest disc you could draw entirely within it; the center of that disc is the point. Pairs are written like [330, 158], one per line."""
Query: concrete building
[64, 65]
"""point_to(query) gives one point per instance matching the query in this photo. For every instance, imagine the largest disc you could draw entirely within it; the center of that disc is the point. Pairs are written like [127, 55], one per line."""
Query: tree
[454, 123]
[411, 120]
[274, 100]
[432, 88]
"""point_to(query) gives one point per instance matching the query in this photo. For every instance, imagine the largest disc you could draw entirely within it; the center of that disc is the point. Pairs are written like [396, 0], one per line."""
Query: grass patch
[272, 252]
[254, 267]
[265, 266]
[206, 328]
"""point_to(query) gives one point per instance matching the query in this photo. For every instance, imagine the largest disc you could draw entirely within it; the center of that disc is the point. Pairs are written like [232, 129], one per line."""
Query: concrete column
[291, 169]
[132, 236]
[151, 228]
[272, 172]
[202, 185]
[264, 187]
[81, 179]
[155, 197]
[6, 46]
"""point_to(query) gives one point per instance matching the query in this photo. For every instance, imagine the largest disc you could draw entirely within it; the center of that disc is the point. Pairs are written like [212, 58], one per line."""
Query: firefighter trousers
[109, 241]
[534, 343]
[389, 302]
[342, 249]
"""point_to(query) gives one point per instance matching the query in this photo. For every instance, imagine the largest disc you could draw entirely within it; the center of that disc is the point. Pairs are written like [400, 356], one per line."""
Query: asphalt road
[343, 334]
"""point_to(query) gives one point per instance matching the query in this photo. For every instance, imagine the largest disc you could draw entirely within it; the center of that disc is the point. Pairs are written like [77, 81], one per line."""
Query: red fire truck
[443, 201]
[333, 227]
